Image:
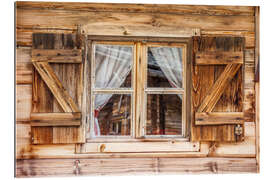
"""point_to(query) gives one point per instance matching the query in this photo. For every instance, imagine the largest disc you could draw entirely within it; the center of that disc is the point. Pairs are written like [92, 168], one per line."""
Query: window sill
[140, 147]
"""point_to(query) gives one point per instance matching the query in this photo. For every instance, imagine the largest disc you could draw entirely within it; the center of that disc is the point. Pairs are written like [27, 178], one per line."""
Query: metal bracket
[76, 167]
[238, 130]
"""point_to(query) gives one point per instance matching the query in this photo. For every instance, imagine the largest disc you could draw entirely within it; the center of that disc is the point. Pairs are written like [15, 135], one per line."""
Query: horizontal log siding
[212, 20]
[124, 166]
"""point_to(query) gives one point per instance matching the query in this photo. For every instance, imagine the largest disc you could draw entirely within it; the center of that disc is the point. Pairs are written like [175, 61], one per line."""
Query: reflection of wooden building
[164, 115]
[115, 116]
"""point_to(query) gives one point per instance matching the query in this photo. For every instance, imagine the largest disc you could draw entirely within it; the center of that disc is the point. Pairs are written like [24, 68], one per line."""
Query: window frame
[186, 42]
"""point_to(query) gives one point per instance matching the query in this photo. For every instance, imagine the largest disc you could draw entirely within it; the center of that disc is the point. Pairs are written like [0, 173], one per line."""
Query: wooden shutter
[217, 89]
[57, 89]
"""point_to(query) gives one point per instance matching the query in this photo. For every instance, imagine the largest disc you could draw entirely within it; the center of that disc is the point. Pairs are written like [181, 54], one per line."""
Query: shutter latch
[238, 130]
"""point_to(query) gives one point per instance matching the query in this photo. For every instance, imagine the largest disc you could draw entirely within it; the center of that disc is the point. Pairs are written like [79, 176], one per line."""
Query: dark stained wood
[57, 56]
[140, 8]
[55, 119]
[217, 118]
[207, 58]
[203, 78]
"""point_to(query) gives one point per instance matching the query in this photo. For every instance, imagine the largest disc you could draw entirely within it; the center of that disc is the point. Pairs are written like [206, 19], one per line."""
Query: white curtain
[112, 65]
[169, 60]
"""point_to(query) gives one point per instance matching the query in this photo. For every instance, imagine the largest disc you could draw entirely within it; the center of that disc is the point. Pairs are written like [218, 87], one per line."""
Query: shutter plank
[208, 58]
[55, 119]
[57, 55]
[217, 118]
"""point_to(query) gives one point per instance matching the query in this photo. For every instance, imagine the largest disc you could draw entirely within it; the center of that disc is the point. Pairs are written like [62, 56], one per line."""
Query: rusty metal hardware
[238, 130]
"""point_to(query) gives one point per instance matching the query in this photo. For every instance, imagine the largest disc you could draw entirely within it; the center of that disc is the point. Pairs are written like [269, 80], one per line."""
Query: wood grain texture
[56, 87]
[65, 167]
[55, 119]
[57, 56]
[70, 20]
[23, 66]
[214, 58]
[218, 118]
[141, 147]
[23, 102]
[43, 99]
[203, 78]
[212, 97]
[245, 148]
[137, 8]
[133, 31]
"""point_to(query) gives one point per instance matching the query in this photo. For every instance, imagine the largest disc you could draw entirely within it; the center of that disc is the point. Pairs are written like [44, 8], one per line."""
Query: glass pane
[113, 66]
[112, 114]
[164, 114]
[164, 67]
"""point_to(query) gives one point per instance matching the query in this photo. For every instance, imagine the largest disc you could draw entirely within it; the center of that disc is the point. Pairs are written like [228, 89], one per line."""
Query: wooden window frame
[139, 143]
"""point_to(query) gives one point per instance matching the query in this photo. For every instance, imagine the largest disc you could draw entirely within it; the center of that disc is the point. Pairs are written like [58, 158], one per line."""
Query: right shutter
[217, 89]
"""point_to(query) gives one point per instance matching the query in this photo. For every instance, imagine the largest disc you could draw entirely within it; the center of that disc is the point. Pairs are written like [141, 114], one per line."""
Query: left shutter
[57, 89]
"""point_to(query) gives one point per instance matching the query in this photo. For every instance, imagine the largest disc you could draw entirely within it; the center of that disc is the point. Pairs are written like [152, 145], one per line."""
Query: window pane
[112, 114]
[164, 67]
[164, 114]
[113, 66]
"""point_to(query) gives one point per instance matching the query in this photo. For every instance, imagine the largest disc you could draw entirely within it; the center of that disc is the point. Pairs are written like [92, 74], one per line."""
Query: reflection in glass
[113, 65]
[164, 114]
[113, 117]
[164, 67]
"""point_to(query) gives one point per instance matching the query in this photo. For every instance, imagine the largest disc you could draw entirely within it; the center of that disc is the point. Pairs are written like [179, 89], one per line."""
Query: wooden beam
[55, 119]
[139, 8]
[215, 57]
[124, 166]
[218, 118]
[218, 88]
[169, 146]
[57, 89]
[57, 55]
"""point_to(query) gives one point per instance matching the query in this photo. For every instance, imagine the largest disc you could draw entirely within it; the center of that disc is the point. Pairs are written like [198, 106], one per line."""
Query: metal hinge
[238, 130]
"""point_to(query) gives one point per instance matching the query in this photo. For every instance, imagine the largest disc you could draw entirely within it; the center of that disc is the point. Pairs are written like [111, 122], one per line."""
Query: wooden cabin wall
[34, 17]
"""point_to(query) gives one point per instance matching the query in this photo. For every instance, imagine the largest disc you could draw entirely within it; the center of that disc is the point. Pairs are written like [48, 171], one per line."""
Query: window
[138, 91]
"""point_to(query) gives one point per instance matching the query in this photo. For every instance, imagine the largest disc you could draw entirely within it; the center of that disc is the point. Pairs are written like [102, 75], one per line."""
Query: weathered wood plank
[245, 148]
[56, 87]
[141, 147]
[215, 58]
[65, 167]
[152, 31]
[23, 102]
[23, 66]
[71, 19]
[24, 36]
[248, 35]
[140, 8]
[216, 118]
[218, 88]
[57, 55]
[55, 119]
[23, 139]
